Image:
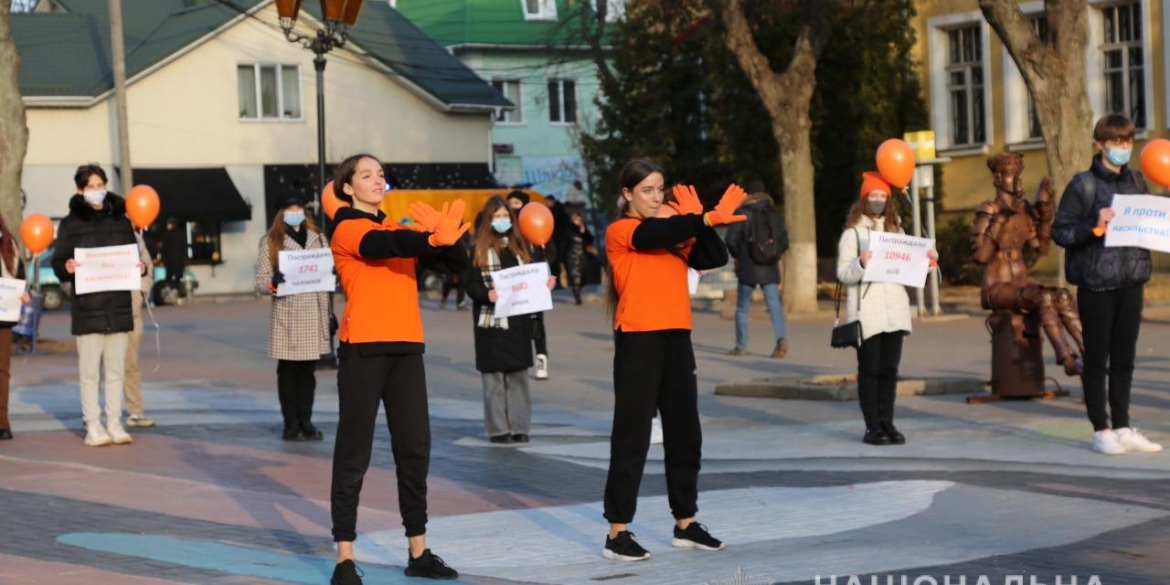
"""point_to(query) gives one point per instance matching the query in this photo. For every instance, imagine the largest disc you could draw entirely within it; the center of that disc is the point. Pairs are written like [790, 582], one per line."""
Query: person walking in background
[102, 321]
[578, 240]
[758, 245]
[298, 329]
[174, 251]
[10, 267]
[1110, 284]
[882, 307]
[502, 344]
[381, 354]
[137, 414]
[654, 360]
[452, 280]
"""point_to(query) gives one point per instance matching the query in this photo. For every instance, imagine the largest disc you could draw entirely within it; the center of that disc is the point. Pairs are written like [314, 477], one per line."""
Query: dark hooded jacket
[86, 227]
[1088, 262]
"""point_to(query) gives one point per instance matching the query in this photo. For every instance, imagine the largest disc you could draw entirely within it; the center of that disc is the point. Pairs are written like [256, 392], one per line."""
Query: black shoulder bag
[849, 334]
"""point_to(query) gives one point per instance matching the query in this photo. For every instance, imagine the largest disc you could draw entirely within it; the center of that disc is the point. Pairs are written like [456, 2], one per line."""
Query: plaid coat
[298, 328]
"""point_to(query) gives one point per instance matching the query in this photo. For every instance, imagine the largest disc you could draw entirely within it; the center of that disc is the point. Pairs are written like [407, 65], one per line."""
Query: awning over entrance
[195, 194]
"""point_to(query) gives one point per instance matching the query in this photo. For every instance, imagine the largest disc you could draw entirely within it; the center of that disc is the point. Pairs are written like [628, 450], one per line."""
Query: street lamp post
[339, 16]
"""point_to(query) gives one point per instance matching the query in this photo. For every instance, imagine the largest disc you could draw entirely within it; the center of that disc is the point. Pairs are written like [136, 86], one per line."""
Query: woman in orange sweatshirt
[381, 354]
[654, 362]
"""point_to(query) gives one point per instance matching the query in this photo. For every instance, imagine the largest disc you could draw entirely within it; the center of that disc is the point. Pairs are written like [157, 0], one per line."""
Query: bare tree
[1054, 71]
[787, 96]
[13, 127]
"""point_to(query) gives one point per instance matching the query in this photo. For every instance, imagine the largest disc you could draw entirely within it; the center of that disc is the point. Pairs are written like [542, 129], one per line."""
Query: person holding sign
[12, 273]
[654, 361]
[298, 330]
[381, 353]
[883, 308]
[502, 353]
[1110, 284]
[102, 321]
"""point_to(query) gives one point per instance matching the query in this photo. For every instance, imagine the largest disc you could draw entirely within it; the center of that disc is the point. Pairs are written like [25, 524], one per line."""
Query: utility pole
[118, 53]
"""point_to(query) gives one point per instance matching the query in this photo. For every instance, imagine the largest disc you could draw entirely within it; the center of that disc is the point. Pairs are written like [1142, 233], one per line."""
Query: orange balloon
[895, 161]
[330, 201]
[37, 232]
[1156, 161]
[142, 205]
[536, 223]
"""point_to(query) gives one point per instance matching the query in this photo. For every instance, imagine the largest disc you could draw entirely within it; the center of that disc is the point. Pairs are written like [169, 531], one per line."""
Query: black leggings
[654, 370]
[399, 383]
[296, 385]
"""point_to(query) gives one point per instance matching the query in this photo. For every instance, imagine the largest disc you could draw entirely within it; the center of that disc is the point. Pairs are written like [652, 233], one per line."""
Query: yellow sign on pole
[922, 141]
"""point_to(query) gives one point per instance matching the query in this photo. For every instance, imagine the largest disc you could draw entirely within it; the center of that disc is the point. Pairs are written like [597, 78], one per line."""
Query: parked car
[166, 293]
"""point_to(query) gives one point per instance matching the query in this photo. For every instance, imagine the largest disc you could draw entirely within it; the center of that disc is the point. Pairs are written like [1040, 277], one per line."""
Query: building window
[964, 74]
[562, 101]
[269, 92]
[615, 10]
[539, 9]
[1040, 23]
[510, 88]
[1122, 57]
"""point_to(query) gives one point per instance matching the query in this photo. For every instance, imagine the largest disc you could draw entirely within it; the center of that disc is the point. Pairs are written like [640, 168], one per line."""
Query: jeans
[743, 305]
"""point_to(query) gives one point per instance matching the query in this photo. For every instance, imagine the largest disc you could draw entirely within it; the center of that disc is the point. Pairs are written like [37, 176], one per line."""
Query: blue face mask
[1118, 156]
[294, 218]
[502, 226]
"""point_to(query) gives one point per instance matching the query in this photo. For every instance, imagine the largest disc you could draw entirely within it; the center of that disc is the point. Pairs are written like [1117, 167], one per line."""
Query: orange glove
[724, 212]
[426, 218]
[686, 200]
[451, 227]
[1098, 231]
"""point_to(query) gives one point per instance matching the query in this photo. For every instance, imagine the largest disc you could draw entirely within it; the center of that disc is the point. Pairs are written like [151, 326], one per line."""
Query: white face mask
[94, 198]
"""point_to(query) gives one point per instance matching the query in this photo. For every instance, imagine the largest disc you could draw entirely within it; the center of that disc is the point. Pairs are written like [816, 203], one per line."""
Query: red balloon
[1156, 161]
[37, 232]
[142, 205]
[536, 223]
[330, 202]
[895, 161]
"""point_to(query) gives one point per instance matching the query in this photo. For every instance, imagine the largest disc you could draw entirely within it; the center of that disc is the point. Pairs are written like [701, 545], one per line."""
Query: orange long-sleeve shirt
[651, 284]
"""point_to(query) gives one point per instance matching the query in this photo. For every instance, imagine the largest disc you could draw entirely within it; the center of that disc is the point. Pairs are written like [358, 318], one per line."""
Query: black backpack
[765, 236]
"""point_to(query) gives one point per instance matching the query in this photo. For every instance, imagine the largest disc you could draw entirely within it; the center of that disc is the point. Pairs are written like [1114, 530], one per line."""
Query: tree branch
[1018, 34]
[743, 45]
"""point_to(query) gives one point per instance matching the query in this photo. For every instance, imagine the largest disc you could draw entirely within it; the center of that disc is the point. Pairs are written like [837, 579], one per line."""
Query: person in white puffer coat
[883, 309]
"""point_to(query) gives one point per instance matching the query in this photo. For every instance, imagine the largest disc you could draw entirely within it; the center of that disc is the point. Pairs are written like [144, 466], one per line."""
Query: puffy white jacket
[885, 306]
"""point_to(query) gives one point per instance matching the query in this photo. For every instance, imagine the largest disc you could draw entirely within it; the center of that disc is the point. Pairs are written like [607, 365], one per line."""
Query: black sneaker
[501, 439]
[430, 566]
[624, 548]
[695, 536]
[295, 435]
[519, 438]
[312, 433]
[346, 573]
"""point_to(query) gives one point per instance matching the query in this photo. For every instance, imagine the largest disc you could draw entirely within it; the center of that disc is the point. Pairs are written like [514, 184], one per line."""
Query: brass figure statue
[1003, 227]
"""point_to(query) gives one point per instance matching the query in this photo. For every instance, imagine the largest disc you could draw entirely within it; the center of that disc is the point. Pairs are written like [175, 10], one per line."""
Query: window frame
[280, 97]
[616, 12]
[971, 87]
[940, 107]
[548, 10]
[1094, 75]
[518, 111]
[560, 84]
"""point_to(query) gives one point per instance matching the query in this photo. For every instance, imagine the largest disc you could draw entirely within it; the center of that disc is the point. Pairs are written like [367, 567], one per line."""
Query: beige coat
[298, 328]
[885, 306]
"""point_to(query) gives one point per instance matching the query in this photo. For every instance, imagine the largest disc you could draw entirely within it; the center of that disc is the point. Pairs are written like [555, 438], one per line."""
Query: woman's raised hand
[686, 200]
[724, 212]
[426, 218]
[451, 226]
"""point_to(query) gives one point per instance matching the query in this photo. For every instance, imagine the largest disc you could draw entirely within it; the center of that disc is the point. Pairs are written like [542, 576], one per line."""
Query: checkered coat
[298, 328]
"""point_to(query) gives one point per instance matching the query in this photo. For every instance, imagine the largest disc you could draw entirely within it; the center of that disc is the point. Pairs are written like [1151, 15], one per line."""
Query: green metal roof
[67, 54]
[493, 22]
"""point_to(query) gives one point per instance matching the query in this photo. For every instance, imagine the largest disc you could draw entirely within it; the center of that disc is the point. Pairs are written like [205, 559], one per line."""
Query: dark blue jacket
[746, 269]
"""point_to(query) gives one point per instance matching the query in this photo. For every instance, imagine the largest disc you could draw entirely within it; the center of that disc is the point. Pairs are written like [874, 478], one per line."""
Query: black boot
[896, 438]
[876, 436]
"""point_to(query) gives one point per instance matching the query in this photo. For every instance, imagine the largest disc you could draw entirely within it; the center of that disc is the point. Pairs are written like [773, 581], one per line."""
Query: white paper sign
[693, 280]
[898, 258]
[306, 271]
[11, 290]
[522, 290]
[107, 268]
[1141, 221]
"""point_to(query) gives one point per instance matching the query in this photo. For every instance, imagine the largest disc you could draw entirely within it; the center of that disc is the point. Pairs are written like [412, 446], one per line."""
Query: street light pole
[319, 65]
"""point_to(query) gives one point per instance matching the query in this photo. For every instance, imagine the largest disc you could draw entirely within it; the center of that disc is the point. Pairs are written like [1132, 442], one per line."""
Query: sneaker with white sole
[695, 536]
[541, 366]
[656, 431]
[96, 435]
[118, 434]
[140, 421]
[623, 547]
[1106, 443]
[1132, 440]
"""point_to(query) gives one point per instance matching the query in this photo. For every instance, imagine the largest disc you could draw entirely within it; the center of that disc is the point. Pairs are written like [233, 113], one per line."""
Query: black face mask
[875, 207]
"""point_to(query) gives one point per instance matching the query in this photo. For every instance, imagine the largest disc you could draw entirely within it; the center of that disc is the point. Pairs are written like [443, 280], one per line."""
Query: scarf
[486, 312]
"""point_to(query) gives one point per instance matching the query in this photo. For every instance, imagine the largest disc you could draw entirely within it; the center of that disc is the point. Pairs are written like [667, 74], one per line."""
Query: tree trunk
[1054, 71]
[13, 129]
[787, 97]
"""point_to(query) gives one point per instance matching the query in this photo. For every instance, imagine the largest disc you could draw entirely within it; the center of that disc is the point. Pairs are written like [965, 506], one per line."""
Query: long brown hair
[486, 238]
[276, 233]
[343, 174]
[9, 251]
[633, 172]
[893, 221]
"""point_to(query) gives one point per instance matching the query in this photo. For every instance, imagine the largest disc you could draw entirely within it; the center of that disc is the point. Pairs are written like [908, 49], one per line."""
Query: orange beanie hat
[871, 181]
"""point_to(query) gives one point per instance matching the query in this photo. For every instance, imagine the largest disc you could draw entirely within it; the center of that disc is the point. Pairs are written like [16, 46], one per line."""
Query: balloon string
[157, 338]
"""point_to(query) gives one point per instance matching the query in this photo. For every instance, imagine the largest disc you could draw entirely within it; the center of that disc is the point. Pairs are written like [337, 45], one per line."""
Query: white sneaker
[118, 434]
[96, 436]
[140, 421]
[1105, 442]
[541, 366]
[656, 431]
[1132, 440]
